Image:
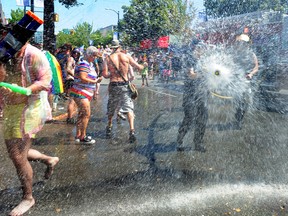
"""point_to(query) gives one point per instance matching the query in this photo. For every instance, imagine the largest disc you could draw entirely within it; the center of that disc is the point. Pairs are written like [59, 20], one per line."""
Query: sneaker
[121, 115]
[77, 139]
[87, 140]
[132, 137]
[108, 131]
[71, 121]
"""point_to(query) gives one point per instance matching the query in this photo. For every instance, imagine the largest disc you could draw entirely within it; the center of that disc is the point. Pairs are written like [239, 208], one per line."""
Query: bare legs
[71, 109]
[34, 155]
[110, 119]
[130, 116]
[20, 154]
[83, 117]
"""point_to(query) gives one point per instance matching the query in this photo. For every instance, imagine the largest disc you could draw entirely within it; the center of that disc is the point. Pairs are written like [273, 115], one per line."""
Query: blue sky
[92, 12]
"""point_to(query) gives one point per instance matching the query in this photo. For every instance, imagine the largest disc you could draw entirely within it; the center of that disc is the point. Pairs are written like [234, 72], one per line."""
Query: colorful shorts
[81, 93]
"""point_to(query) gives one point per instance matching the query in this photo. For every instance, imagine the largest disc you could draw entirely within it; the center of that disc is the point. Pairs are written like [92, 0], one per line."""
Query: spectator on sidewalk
[144, 74]
[176, 65]
[167, 69]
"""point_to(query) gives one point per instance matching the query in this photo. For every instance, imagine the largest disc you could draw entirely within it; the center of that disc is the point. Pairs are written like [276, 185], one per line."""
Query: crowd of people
[82, 73]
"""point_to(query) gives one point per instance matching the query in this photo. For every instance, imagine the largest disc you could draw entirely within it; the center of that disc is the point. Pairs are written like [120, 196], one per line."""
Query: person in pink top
[25, 115]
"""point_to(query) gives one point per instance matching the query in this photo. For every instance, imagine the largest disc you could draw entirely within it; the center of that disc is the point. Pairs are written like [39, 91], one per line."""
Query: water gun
[16, 88]
[18, 36]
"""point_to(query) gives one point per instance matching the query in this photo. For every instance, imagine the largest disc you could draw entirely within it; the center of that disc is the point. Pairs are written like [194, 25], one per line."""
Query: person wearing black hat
[116, 68]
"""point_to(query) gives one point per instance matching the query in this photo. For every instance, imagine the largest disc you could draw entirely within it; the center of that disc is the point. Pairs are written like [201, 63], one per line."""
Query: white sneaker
[88, 137]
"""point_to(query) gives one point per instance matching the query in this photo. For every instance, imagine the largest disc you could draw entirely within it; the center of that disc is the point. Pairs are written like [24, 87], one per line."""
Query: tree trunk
[49, 37]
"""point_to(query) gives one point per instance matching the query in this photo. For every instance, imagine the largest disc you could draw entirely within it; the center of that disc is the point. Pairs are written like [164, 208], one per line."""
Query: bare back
[121, 62]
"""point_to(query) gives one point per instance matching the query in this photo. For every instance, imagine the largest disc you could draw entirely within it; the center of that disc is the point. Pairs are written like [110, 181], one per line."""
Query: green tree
[224, 8]
[63, 37]
[151, 19]
[99, 39]
[16, 15]
[82, 34]
[49, 38]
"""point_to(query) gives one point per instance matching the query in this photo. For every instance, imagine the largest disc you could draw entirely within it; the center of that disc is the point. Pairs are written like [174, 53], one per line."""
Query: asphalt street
[243, 172]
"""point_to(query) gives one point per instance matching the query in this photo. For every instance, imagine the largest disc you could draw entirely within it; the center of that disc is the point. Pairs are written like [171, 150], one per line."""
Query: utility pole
[118, 22]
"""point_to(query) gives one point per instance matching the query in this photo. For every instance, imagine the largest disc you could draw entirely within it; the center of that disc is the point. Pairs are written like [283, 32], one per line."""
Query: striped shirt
[81, 89]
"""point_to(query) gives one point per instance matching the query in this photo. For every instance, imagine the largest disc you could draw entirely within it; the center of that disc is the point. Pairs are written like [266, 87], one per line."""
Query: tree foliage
[16, 15]
[49, 38]
[83, 34]
[224, 8]
[151, 19]
[70, 3]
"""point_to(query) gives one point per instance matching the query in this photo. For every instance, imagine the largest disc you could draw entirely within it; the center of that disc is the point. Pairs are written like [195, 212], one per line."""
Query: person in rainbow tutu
[24, 115]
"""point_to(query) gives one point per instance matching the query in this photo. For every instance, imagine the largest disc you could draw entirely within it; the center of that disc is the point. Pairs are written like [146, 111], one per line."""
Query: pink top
[35, 70]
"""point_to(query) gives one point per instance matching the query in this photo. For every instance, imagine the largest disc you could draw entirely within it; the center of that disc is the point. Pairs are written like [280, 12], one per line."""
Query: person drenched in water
[194, 99]
[24, 116]
[247, 61]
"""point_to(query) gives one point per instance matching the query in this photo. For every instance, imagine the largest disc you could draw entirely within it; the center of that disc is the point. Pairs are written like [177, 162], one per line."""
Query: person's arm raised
[134, 64]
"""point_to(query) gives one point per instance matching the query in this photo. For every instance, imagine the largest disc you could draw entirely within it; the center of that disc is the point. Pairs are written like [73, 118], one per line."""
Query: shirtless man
[29, 68]
[119, 93]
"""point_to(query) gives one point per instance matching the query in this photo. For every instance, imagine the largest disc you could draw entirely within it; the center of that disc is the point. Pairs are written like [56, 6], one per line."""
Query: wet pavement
[244, 172]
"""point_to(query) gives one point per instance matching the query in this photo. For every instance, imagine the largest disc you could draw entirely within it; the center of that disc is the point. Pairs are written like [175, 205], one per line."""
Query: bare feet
[22, 207]
[50, 167]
